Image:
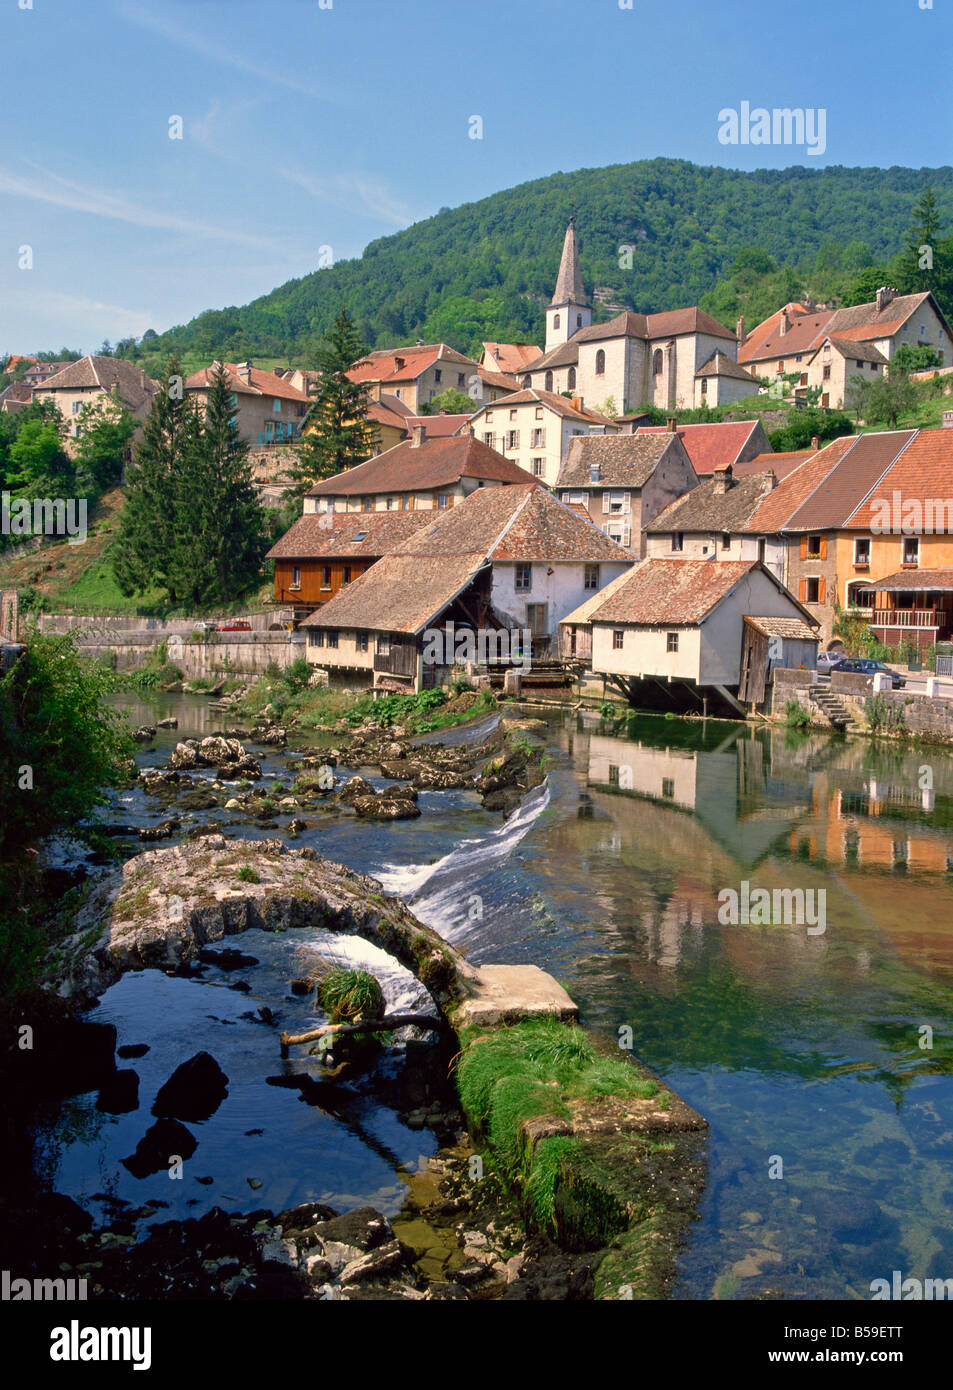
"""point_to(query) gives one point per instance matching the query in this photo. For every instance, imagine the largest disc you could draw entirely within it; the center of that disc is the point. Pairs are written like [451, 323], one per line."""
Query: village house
[509, 358]
[507, 561]
[269, 410]
[716, 445]
[419, 474]
[787, 341]
[631, 360]
[415, 375]
[708, 522]
[833, 365]
[721, 380]
[693, 622]
[16, 396]
[91, 381]
[321, 554]
[623, 481]
[535, 429]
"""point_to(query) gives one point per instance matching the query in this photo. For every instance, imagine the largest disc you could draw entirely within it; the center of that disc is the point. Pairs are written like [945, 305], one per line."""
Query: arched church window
[571, 378]
[555, 320]
[600, 362]
[549, 381]
[657, 362]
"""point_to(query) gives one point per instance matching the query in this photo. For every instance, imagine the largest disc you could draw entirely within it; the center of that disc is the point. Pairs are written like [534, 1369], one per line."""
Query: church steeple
[569, 288]
[568, 309]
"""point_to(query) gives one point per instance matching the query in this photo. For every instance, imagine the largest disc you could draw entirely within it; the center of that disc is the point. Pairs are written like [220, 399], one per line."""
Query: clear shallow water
[798, 1048]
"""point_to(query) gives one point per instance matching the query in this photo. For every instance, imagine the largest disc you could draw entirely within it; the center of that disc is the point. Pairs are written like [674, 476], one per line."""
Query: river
[821, 1059]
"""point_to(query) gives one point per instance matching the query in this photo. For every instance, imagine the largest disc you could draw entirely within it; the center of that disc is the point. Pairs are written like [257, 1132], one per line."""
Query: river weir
[794, 1044]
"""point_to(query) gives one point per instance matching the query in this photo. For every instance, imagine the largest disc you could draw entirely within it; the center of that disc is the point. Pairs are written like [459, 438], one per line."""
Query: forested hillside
[485, 270]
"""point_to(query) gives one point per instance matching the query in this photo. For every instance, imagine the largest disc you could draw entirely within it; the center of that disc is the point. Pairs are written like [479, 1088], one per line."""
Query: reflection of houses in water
[729, 789]
[876, 822]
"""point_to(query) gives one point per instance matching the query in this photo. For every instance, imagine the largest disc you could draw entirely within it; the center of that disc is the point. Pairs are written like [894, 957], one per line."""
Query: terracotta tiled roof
[671, 324]
[369, 534]
[255, 383]
[17, 391]
[672, 591]
[560, 404]
[841, 491]
[705, 509]
[382, 414]
[773, 513]
[404, 364]
[712, 446]
[107, 373]
[512, 357]
[720, 364]
[516, 523]
[780, 464]
[940, 580]
[401, 593]
[438, 426]
[503, 380]
[432, 464]
[864, 320]
[864, 352]
[805, 331]
[623, 460]
[922, 473]
[794, 628]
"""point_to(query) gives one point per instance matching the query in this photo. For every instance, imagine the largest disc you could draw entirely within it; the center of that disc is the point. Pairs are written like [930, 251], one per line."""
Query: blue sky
[306, 126]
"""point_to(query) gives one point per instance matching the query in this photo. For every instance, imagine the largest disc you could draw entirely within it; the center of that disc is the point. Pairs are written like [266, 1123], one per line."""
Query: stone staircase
[835, 709]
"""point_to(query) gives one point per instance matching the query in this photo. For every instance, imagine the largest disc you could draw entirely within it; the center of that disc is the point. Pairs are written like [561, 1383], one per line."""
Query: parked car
[233, 625]
[866, 666]
[825, 660]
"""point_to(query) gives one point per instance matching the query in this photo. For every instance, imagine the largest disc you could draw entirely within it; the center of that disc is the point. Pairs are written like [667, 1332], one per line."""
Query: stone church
[668, 360]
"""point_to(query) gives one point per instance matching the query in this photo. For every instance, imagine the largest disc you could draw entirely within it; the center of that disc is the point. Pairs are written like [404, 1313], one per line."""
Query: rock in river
[194, 1091]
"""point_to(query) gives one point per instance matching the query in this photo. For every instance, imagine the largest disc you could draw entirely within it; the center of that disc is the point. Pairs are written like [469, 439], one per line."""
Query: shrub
[349, 995]
[883, 716]
[795, 715]
[249, 875]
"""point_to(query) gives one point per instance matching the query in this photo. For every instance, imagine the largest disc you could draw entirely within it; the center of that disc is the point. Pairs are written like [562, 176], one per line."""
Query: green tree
[144, 555]
[908, 358]
[337, 433]
[38, 462]
[105, 432]
[220, 525]
[887, 398]
[452, 402]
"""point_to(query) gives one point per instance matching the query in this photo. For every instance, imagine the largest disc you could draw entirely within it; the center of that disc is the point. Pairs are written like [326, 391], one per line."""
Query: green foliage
[105, 431]
[804, 425]
[451, 402]
[192, 525]
[53, 721]
[883, 717]
[908, 358]
[795, 715]
[395, 709]
[347, 996]
[248, 875]
[337, 433]
[486, 270]
[882, 400]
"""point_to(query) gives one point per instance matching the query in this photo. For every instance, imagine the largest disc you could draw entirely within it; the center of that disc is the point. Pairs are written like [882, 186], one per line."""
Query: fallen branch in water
[370, 1025]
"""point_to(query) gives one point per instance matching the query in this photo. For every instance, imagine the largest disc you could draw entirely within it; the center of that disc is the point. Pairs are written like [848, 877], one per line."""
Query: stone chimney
[375, 390]
[784, 323]
[722, 479]
[398, 363]
[577, 402]
[815, 443]
[420, 342]
[671, 424]
[740, 331]
[884, 296]
[244, 371]
[416, 436]
[770, 480]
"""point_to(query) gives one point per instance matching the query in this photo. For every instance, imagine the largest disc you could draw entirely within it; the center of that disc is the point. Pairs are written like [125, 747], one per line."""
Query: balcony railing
[292, 435]
[909, 617]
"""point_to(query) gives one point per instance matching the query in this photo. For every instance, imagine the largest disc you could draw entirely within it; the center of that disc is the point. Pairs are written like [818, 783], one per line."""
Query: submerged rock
[194, 1091]
[161, 1144]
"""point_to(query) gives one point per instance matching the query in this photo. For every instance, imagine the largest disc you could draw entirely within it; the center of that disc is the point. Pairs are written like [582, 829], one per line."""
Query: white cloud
[64, 193]
[356, 192]
[176, 33]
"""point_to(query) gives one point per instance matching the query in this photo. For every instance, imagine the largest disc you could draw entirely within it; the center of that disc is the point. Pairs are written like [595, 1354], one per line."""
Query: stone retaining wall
[923, 716]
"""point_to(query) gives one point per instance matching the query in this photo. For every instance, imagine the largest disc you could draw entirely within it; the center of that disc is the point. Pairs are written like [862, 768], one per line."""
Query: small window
[827, 373]
[436, 375]
[315, 637]
[488, 440]
[512, 439]
[461, 379]
[295, 577]
[571, 378]
[539, 439]
[556, 320]
[704, 386]
[725, 541]
[389, 504]
[617, 636]
[77, 407]
[671, 641]
[539, 467]
[678, 540]
[524, 578]
[668, 788]
[549, 381]
[512, 414]
[613, 774]
[591, 580]
[813, 547]
[367, 504]
[601, 362]
[332, 637]
[443, 500]
[360, 641]
[346, 575]
[862, 550]
[383, 646]
[326, 577]
[657, 362]
[911, 550]
[812, 590]
[539, 412]
[276, 407]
